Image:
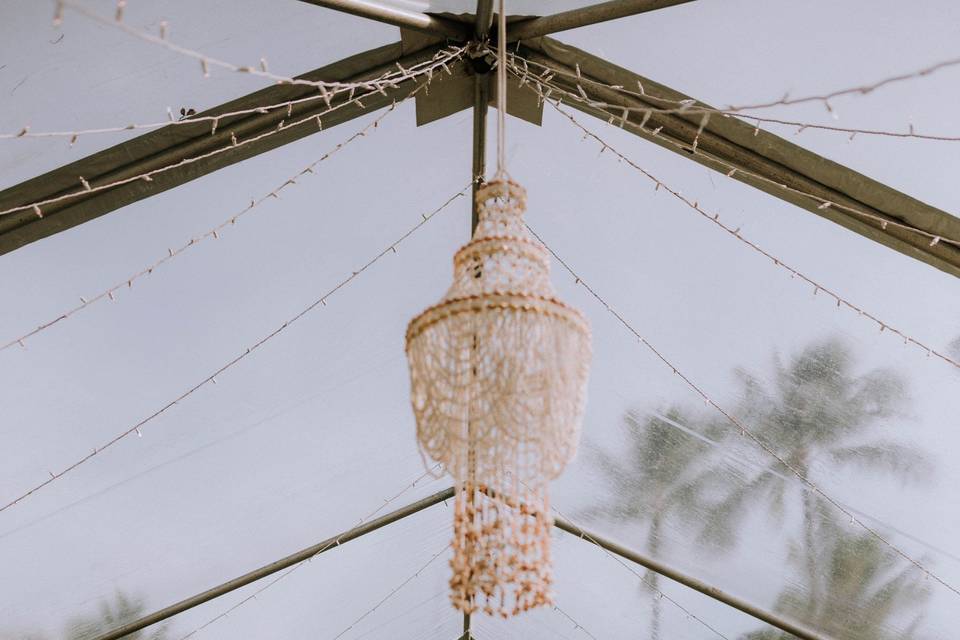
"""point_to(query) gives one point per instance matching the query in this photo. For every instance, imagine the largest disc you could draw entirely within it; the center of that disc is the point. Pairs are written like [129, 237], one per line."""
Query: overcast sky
[314, 430]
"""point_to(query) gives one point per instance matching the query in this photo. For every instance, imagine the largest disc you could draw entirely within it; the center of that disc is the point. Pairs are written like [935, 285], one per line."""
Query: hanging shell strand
[501, 552]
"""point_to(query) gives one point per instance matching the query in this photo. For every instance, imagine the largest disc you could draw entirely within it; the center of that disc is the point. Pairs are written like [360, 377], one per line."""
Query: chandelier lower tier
[498, 384]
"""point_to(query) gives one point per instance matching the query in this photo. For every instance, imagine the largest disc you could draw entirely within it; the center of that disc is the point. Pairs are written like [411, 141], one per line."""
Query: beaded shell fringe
[498, 375]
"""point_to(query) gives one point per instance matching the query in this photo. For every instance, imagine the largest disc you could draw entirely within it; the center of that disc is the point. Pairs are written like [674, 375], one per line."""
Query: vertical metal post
[484, 19]
[481, 91]
[481, 95]
[481, 98]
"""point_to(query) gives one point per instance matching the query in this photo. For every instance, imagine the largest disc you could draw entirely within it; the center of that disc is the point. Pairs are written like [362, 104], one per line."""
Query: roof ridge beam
[584, 16]
[403, 18]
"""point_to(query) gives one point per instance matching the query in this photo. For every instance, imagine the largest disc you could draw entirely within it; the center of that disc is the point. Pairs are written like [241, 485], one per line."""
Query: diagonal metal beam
[403, 18]
[576, 18]
[172, 144]
[784, 624]
[279, 565]
[351, 534]
[763, 160]
[483, 20]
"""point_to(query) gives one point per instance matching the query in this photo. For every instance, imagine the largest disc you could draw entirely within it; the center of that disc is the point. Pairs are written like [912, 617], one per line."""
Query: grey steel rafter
[764, 160]
[584, 16]
[402, 18]
[286, 562]
[768, 617]
[174, 143]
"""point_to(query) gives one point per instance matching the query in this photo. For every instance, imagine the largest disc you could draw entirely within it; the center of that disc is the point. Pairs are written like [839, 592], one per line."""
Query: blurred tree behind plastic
[823, 417]
[122, 610]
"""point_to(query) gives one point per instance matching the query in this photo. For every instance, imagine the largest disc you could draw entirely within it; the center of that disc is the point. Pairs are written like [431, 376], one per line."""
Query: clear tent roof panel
[314, 431]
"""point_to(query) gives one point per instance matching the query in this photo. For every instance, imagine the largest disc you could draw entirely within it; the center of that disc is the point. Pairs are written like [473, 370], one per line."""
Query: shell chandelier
[498, 375]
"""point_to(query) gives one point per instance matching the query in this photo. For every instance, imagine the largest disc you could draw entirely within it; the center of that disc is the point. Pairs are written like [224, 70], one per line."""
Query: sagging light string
[743, 429]
[406, 612]
[388, 80]
[333, 543]
[690, 106]
[207, 61]
[818, 287]
[212, 378]
[576, 625]
[214, 233]
[438, 61]
[822, 203]
[395, 77]
[393, 592]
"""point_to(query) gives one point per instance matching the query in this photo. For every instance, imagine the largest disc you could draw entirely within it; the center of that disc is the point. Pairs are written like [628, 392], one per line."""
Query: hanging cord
[501, 91]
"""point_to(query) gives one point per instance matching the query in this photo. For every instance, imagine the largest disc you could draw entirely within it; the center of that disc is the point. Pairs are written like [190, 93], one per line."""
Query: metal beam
[762, 160]
[420, 505]
[398, 17]
[279, 565]
[172, 144]
[576, 18]
[665, 570]
[483, 21]
[481, 92]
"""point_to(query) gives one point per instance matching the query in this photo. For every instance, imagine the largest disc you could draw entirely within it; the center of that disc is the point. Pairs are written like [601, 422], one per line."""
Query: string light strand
[744, 430]
[714, 218]
[393, 592]
[249, 350]
[206, 61]
[391, 79]
[822, 203]
[691, 107]
[214, 233]
[576, 625]
[37, 207]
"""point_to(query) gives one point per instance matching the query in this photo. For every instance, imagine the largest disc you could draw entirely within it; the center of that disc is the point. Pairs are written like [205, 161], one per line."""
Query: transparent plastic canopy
[313, 431]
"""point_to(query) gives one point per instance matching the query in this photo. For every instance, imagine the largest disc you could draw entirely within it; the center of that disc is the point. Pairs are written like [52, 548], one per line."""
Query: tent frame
[764, 160]
[773, 619]
[760, 159]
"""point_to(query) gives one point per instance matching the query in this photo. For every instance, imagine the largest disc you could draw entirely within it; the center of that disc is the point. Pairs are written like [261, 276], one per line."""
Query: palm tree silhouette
[662, 475]
[124, 609]
[817, 412]
[819, 416]
[861, 596]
